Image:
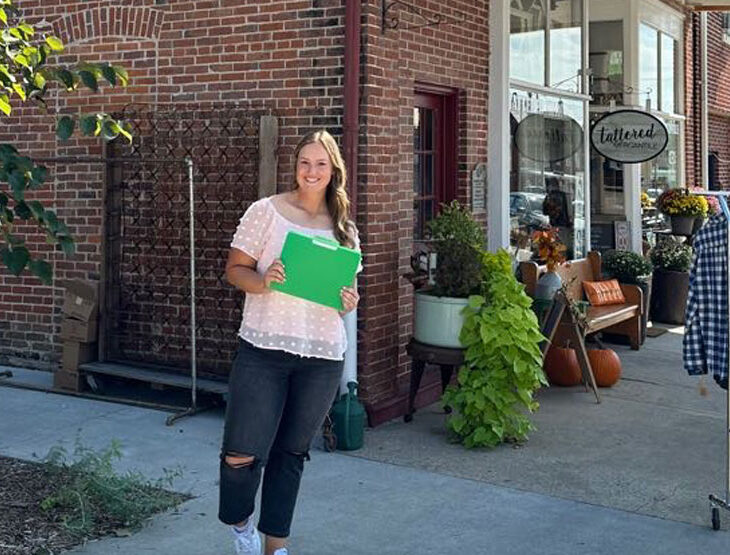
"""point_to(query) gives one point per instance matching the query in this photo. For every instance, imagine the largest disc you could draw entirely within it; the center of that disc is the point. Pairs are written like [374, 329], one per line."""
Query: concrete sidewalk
[586, 482]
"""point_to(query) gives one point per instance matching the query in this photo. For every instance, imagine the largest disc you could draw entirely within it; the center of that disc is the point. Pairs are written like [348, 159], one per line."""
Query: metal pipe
[193, 368]
[353, 11]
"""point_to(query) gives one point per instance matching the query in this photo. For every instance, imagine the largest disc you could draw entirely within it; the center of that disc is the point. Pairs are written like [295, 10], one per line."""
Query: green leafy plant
[90, 491]
[672, 255]
[26, 76]
[503, 364]
[458, 241]
[626, 266]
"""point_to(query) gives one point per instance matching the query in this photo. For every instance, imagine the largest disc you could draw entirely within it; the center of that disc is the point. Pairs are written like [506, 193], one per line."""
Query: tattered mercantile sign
[629, 136]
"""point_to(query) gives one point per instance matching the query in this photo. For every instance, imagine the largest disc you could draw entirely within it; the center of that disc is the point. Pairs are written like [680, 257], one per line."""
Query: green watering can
[348, 420]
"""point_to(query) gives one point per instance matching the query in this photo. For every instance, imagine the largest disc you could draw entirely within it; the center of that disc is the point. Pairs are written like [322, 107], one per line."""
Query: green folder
[317, 268]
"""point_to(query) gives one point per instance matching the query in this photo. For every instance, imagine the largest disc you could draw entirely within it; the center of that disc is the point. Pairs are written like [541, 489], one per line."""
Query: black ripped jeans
[276, 403]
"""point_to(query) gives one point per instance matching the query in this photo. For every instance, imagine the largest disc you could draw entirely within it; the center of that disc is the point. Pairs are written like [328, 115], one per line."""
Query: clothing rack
[717, 502]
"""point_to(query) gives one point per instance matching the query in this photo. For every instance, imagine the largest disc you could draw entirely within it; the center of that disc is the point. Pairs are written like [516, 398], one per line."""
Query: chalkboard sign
[603, 237]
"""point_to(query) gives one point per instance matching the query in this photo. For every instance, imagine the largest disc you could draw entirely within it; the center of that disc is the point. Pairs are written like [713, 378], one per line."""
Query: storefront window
[648, 66]
[668, 55]
[547, 171]
[527, 41]
[657, 175]
[529, 29]
[565, 44]
[657, 67]
[606, 60]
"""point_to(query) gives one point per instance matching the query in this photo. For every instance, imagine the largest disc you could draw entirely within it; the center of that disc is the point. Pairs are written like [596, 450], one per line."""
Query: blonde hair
[338, 204]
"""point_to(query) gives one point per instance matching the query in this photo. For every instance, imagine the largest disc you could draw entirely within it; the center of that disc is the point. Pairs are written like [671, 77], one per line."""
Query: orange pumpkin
[606, 366]
[561, 366]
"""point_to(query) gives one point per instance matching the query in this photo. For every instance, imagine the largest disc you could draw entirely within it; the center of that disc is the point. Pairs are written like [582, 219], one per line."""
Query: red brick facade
[285, 57]
[718, 97]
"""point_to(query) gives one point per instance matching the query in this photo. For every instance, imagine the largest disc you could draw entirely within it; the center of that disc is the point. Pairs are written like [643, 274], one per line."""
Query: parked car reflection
[526, 209]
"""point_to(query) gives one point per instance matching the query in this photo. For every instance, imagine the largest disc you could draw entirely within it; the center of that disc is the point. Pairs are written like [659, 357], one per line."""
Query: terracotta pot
[606, 366]
[561, 366]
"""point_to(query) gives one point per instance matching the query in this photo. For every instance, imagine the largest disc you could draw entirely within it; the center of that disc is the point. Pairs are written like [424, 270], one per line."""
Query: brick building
[280, 58]
[373, 72]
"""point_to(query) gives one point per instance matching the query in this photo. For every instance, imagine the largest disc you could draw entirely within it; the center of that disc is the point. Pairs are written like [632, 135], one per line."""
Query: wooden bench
[560, 325]
[621, 319]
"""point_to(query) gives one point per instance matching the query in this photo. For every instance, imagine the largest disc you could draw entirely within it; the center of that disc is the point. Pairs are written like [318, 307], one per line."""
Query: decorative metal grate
[148, 271]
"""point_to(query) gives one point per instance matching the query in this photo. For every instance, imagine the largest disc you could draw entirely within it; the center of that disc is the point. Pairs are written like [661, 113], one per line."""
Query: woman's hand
[274, 274]
[350, 298]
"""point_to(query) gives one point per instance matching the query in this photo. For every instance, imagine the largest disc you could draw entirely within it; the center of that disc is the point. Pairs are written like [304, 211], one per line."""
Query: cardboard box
[70, 381]
[81, 300]
[75, 353]
[78, 330]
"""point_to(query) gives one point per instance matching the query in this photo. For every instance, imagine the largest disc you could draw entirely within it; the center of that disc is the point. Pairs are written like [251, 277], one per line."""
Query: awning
[709, 5]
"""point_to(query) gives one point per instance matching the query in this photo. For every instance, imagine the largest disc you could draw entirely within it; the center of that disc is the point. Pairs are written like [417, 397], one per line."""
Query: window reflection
[565, 44]
[606, 60]
[649, 64]
[547, 170]
[527, 40]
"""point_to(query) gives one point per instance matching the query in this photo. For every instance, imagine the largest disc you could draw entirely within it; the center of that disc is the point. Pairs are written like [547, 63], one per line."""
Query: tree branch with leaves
[26, 76]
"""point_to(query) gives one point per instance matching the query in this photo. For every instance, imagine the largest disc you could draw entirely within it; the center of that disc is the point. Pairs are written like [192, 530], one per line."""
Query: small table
[447, 359]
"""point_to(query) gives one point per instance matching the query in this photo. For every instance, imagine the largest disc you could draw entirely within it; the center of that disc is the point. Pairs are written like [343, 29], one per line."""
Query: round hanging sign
[629, 136]
[548, 137]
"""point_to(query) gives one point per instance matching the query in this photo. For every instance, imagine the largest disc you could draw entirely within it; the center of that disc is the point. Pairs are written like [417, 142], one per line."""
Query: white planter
[438, 320]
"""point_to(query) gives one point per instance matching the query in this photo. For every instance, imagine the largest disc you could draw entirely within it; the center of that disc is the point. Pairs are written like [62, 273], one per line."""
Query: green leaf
[3, 16]
[68, 245]
[38, 175]
[36, 209]
[66, 77]
[125, 133]
[89, 125]
[5, 105]
[19, 90]
[27, 29]
[15, 259]
[51, 220]
[89, 79]
[122, 75]
[39, 80]
[65, 127]
[18, 182]
[55, 44]
[42, 270]
[22, 211]
[109, 74]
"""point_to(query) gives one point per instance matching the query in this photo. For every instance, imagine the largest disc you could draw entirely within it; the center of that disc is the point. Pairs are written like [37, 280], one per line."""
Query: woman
[290, 357]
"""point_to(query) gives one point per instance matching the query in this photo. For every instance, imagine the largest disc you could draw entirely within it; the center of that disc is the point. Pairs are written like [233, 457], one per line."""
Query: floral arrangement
[680, 202]
[672, 255]
[713, 204]
[627, 266]
[646, 201]
[549, 247]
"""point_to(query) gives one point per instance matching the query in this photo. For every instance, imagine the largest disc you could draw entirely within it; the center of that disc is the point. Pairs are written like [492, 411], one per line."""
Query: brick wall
[395, 63]
[718, 71]
[282, 56]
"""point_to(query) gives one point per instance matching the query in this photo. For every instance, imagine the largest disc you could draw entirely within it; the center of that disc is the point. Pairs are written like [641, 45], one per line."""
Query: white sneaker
[248, 541]
[281, 551]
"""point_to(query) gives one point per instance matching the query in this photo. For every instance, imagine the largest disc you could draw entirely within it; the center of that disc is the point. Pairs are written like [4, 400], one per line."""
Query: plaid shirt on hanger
[706, 321]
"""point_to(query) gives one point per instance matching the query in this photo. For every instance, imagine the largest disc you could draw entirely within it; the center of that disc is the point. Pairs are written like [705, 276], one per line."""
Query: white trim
[499, 131]
[632, 172]
[527, 86]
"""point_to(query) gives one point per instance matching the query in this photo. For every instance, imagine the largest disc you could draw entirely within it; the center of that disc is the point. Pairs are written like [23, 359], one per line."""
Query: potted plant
[683, 208]
[503, 364]
[552, 252]
[631, 268]
[672, 260]
[713, 207]
[458, 242]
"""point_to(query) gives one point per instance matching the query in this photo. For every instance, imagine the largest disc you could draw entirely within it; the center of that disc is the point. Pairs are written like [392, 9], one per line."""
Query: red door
[434, 157]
